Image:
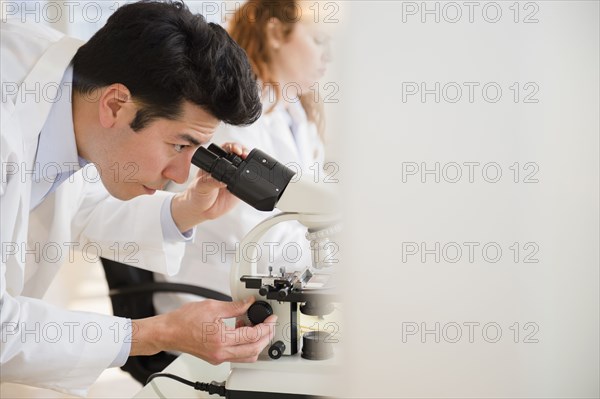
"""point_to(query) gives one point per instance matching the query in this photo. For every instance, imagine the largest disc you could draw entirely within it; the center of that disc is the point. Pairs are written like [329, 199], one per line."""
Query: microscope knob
[259, 311]
[283, 293]
[264, 290]
[276, 350]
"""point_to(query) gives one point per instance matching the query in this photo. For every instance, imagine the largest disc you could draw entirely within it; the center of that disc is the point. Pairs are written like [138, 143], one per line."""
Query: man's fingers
[236, 148]
[244, 360]
[271, 319]
[236, 308]
[207, 182]
[249, 335]
[246, 351]
[243, 344]
[241, 322]
[202, 174]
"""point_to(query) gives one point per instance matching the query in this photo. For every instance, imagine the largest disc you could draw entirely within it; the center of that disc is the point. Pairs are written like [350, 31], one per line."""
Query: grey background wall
[517, 253]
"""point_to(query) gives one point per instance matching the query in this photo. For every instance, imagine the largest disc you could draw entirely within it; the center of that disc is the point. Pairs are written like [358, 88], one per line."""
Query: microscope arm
[247, 264]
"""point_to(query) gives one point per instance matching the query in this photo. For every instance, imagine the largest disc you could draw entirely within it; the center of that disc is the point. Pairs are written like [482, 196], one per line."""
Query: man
[141, 96]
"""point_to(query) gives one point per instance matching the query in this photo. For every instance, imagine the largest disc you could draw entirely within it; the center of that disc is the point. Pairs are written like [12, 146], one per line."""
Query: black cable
[212, 387]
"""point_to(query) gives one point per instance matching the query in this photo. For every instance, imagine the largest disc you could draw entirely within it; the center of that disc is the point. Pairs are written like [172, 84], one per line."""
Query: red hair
[248, 28]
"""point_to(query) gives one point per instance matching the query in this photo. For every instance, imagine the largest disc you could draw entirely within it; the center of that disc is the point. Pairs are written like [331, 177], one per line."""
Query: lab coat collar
[57, 149]
[284, 106]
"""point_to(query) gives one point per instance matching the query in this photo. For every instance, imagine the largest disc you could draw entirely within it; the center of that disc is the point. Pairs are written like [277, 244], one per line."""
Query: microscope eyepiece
[258, 180]
[204, 159]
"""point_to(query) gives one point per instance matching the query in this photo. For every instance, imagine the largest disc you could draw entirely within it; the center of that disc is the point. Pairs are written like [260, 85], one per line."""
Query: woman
[288, 53]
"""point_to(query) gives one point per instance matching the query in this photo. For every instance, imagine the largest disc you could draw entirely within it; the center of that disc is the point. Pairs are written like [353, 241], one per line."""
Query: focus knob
[276, 350]
[259, 311]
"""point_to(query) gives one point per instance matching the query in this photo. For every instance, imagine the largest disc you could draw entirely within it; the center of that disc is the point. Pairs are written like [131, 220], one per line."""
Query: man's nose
[179, 170]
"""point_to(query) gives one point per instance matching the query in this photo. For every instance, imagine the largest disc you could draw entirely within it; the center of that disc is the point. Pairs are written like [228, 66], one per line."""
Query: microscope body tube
[259, 180]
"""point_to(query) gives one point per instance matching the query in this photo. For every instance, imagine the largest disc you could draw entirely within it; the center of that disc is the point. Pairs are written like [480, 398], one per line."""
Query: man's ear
[115, 104]
[274, 32]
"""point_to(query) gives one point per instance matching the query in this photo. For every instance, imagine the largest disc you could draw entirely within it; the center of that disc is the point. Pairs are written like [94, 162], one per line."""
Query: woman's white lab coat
[42, 345]
[207, 262]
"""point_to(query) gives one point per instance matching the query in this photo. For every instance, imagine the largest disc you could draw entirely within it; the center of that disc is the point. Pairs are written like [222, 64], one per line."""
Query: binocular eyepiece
[259, 180]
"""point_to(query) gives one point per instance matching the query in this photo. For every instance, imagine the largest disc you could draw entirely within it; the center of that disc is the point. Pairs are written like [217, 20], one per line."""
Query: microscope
[293, 365]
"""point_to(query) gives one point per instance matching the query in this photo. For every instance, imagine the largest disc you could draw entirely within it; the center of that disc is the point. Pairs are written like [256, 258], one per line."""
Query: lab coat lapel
[29, 116]
[287, 151]
[32, 110]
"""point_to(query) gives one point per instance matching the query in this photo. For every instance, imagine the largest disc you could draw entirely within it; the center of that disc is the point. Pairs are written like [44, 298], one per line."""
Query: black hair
[165, 55]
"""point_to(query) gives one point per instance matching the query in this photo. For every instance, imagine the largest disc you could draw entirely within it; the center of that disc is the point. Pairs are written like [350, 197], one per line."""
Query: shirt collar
[57, 149]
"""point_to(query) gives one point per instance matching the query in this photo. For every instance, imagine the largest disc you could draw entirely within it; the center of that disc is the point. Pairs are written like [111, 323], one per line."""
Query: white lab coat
[208, 260]
[43, 345]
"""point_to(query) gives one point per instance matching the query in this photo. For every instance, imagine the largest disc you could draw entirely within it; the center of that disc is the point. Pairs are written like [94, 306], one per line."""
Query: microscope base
[288, 377]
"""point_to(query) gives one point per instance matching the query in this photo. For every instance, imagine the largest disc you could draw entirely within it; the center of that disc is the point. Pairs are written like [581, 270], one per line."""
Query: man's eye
[179, 147]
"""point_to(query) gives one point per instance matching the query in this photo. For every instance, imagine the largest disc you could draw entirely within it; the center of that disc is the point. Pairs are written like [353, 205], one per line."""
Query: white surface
[289, 374]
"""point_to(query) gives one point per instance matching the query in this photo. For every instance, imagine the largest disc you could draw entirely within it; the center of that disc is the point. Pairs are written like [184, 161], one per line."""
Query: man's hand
[197, 328]
[205, 198]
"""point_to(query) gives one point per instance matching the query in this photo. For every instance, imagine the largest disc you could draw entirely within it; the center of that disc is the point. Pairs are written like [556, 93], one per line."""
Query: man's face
[135, 163]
